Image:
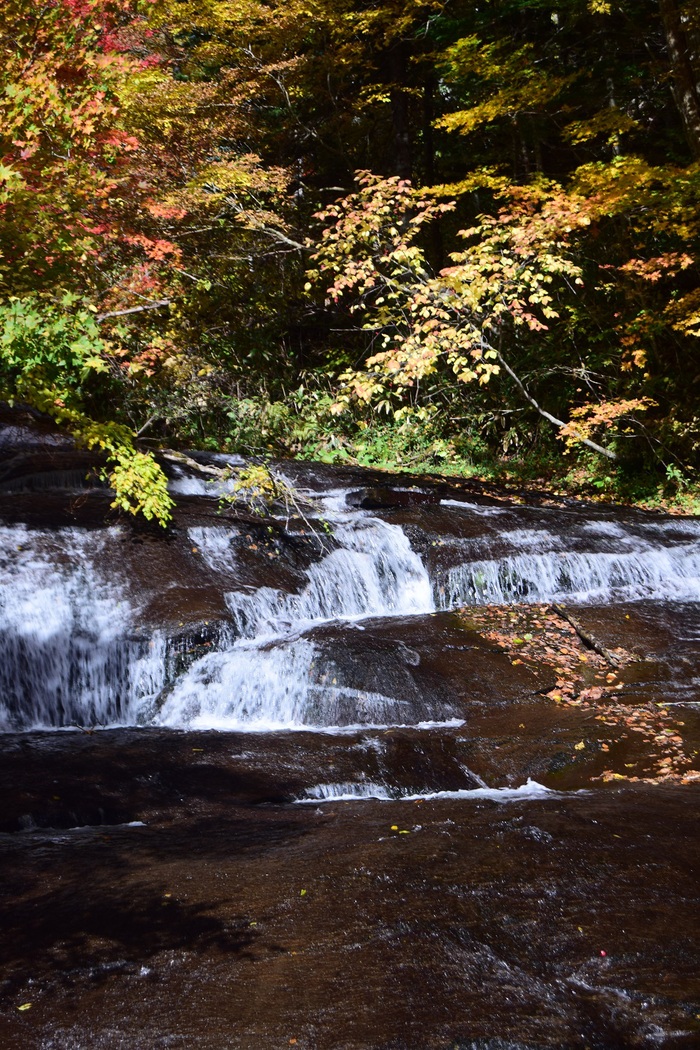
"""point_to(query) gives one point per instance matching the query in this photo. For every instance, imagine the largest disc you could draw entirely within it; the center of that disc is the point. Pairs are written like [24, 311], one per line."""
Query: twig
[147, 424]
[180, 457]
[586, 637]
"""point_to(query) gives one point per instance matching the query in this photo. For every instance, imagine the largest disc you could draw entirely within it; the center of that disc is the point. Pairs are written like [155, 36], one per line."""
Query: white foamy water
[185, 483]
[557, 554]
[474, 508]
[216, 544]
[670, 573]
[275, 687]
[362, 790]
[270, 678]
[66, 654]
[70, 654]
[373, 572]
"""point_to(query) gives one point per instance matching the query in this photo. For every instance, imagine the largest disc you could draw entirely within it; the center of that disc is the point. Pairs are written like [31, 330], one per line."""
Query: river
[322, 781]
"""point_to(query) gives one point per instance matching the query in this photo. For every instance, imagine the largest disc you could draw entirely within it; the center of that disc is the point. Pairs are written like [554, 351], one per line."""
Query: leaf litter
[538, 637]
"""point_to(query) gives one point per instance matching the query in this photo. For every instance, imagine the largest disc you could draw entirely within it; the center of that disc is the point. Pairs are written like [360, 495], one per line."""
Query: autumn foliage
[283, 225]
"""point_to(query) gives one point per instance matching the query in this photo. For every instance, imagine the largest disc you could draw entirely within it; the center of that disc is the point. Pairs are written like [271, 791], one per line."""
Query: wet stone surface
[417, 770]
[230, 920]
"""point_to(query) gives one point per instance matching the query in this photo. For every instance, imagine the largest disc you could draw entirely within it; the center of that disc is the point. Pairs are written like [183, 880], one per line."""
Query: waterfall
[72, 654]
[272, 678]
[74, 648]
[374, 572]
[583, 562]
[578, 577]
[272, 686]
[67, 654]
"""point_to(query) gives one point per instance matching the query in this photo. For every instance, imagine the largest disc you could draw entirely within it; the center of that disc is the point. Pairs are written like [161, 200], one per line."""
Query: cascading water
[272, 678]
[72, 655]
[589, 577]
[356, 792]
[67, 654]
[373, 572]
[429, 780]
[598, 561]
[75, 651]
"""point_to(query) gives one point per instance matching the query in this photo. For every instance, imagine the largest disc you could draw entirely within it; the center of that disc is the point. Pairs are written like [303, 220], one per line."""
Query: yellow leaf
[580, 746]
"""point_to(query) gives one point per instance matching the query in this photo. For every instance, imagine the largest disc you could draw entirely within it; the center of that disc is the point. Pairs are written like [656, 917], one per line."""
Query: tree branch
[547, 415]
[134, 309]
[586, 637]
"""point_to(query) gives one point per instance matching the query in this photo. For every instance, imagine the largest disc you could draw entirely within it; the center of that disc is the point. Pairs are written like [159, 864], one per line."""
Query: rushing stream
[76, 650]
[298, 800]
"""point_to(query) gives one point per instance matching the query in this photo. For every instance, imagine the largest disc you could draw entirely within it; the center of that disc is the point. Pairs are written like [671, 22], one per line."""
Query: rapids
[298, 799]
[77, 645]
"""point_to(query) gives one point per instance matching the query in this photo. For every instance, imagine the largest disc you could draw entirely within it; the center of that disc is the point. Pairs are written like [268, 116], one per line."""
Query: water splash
[217, 544]
[71, 653]
[373, 572]
[68, 657]
[272, 677]
[264, 688]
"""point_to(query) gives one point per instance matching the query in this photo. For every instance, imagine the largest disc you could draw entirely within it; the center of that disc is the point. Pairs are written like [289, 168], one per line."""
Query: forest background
[440, 236]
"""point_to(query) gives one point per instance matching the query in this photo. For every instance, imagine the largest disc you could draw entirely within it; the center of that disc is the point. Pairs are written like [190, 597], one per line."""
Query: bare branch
[548, 415]
[135, 309]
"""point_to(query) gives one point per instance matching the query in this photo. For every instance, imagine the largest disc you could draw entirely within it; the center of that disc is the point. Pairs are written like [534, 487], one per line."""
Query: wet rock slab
[179, 889]
[228, 919]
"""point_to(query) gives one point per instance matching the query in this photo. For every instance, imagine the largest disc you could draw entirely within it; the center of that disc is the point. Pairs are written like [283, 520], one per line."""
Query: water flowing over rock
[313, 764]
[67, 655]
[215, 626]
[622, 563]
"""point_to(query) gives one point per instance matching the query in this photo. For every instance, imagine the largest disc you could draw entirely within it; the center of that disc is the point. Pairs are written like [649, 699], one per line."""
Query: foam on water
[275, 687]
[70, 653]
[362, 790]
[185, 483]
[474, 508]
[216, 545]
[374, 572]
[257, 684]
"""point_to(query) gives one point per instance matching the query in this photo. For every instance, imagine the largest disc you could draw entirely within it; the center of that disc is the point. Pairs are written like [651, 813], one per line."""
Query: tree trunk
[428, 136]
[684, 76]
[436, 246]
[607, 452]
[400, 117]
